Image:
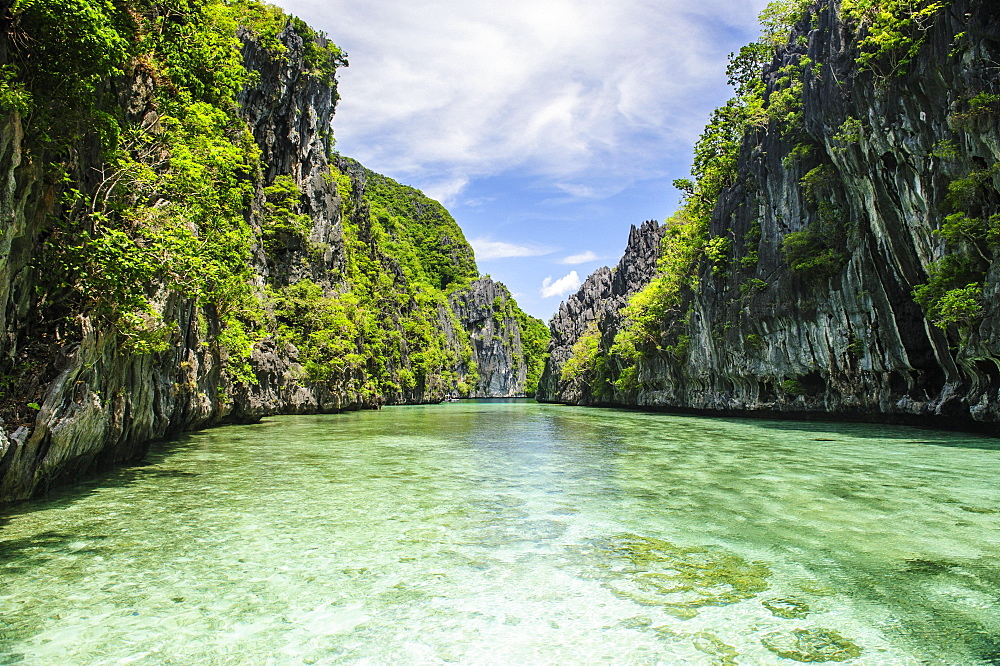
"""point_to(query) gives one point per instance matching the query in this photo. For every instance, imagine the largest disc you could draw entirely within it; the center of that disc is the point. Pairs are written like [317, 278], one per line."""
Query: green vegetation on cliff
[894, 30]
[411, 218]
[815, 241]
[535, 336]
[394, 267]
[157, 189]
[107, 248]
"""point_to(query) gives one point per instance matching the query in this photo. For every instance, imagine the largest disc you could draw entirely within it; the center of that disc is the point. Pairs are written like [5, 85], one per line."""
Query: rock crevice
[78, 400]
[764, 338]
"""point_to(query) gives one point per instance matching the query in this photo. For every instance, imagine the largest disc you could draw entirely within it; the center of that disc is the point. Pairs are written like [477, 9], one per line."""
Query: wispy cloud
[586, 92]
[490, 249]
[445, 191]
[562, 286]
[582, 191]
[582, 258]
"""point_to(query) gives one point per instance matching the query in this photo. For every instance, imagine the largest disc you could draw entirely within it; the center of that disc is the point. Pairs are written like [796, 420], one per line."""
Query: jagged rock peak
[841, 207]
[601, 296]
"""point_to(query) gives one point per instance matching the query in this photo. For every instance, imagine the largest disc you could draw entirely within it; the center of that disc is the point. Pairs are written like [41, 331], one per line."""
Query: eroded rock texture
[77, 399]
[483, 309]
[599, 300]
[764, 338]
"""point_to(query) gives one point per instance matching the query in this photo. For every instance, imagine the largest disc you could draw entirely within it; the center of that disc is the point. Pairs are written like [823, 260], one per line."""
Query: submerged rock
[811, 645]
[682, 580]
[711, 644]
[789, 609]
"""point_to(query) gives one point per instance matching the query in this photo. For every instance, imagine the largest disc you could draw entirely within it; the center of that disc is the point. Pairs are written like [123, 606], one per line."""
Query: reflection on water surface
[511, 532]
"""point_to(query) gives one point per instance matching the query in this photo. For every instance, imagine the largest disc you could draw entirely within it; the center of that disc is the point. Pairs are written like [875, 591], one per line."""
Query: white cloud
[445, 191]
[586, 91]
[562, 286]
[581, 258]
[488, 249]
[580, 191]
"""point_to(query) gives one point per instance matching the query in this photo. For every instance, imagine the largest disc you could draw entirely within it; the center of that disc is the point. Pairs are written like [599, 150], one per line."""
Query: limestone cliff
[805, 304]
[598, 302]
[216, 261]
[498, 352]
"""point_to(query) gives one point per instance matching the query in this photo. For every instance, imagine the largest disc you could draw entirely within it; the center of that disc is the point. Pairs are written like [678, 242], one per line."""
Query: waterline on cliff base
[512, 532]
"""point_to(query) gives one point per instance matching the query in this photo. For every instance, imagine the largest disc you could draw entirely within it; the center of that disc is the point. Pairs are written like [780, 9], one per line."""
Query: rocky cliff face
[349, 317]
[99, 404]
[881, 163]
[484, 309]
[598, 303]
[289, 113]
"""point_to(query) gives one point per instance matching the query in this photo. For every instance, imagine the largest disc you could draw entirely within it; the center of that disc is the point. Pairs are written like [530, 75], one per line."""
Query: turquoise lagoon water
[517, 533]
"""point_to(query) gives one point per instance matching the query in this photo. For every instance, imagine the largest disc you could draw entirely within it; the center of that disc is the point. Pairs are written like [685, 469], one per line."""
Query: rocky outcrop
[77, 397]
[99, 404]
[289, 113]
[598, 302]
[484, 309]
[878, 165]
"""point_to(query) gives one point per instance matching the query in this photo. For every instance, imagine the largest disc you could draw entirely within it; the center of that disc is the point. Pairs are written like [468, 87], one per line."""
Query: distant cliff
[597, 307]
[181, 245]
[837, 255]
[509, 347]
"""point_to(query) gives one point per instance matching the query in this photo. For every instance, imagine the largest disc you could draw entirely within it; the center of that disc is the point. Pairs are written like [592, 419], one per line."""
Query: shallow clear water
[511, 532]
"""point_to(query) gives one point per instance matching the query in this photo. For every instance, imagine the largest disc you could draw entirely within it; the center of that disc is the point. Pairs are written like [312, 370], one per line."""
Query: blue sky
[546, 127]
